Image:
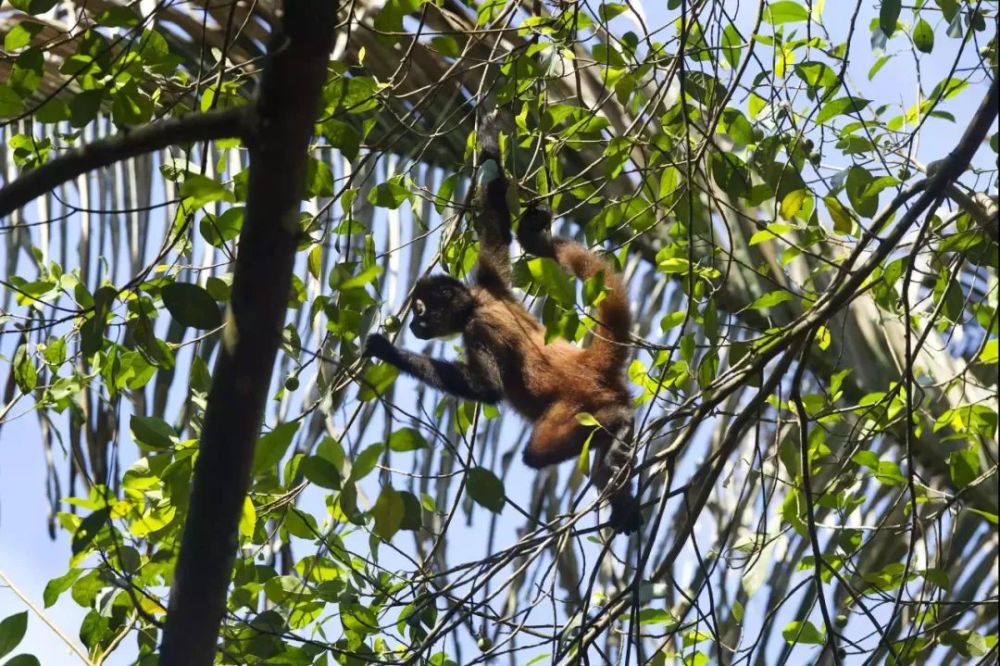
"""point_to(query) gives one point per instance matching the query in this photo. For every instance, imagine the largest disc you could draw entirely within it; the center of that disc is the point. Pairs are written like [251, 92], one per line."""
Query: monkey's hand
[378, 346]
[534, 232]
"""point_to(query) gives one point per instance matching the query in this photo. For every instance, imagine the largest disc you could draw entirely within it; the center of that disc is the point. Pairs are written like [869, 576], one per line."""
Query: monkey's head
[441, 306]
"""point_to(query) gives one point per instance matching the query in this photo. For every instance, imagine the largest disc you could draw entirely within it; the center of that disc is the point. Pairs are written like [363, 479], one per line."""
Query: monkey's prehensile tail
[610, 348]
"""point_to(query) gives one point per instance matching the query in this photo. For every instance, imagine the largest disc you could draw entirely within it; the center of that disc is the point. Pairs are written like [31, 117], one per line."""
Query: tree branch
[290, 94]
[146, 139]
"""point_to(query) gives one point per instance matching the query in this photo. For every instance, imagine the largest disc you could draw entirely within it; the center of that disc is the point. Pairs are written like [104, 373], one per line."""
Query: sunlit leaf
[803, 632]
[923, 36]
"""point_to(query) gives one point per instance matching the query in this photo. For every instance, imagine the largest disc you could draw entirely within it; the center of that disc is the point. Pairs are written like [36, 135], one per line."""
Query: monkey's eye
[419, 308]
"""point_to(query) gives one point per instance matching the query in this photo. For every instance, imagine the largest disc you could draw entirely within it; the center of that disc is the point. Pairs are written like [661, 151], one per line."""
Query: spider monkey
[506, 354]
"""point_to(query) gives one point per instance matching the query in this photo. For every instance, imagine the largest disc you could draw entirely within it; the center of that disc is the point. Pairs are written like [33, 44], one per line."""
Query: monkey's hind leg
[557, 437]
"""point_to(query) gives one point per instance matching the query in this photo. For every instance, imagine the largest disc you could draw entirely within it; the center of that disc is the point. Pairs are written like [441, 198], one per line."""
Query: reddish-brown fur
[506, 353]
[549, 384]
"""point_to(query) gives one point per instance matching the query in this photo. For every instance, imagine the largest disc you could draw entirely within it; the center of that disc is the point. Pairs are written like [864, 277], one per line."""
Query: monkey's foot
[625, 515]
[534, 231]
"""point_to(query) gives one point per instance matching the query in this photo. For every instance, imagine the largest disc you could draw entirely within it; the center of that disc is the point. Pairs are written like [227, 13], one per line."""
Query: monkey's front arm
[456, 378]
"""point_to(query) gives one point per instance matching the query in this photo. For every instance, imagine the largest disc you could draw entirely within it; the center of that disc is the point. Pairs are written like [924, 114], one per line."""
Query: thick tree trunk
[287, 107]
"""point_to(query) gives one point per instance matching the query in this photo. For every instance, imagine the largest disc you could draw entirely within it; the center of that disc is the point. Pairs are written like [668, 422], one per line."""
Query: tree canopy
[207, 207]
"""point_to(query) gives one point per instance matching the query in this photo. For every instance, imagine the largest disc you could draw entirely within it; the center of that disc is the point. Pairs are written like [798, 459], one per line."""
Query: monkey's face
[441, 306]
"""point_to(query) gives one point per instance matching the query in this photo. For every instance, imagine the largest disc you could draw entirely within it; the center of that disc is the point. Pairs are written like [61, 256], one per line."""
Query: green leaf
[803, 632]
[816, 74]
[786, 11]
[923, 36]
[771, 299]
[25, 374]
[23, 660]
[888, 473]
[301, 524]
[948, 88]
[92, 331]
[792, 203]
[248, 518]
[539, 659]
[858, 181]
[321, 472]
[357, 618]
[967, 643]
[376, 380]
[549, 274]
[888, 16]
[407, 439]
[840, 106]
[843, 223]
[21, 35]
[35, 7]
[151, 433]
[191, 305]
[217, 229]
[446, 45]
[877, 66]
[366, 461]
[84, 107]
[937, 577]
[823, 338]
[610, 10]
[673, 265]
[737, 127]
[390, 17]
[88, 529]
[583, 460]
[485, 489]
[731, 45]
[55, 587]
[356, 94]
[10, 102]
[51, 111]
[12, 630]
[199, 190]
[118, 17]
[990, 354]
[413, 512]
[445, 193]
[390, 194]
[130, 106]
[963, 465]
[990, 517]
[342, 136]
[656, 616]
[271, 448]
[388, 513]
[319, 179]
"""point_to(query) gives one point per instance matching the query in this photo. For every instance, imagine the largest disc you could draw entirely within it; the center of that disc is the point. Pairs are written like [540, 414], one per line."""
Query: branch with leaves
[224, 124]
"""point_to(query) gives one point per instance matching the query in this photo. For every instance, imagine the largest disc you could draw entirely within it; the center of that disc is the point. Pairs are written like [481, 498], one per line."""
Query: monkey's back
[535, 374]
